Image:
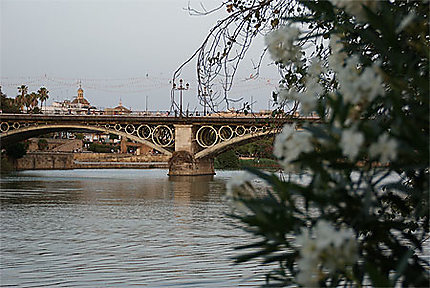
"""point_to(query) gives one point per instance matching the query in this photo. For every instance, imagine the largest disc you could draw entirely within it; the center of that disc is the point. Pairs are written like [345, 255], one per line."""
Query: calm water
[104, 228]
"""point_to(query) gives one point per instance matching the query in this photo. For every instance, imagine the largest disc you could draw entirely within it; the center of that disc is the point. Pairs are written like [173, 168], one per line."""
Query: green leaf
[378, 280]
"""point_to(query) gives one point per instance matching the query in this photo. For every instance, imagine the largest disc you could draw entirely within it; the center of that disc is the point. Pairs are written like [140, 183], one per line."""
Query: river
[119, 228]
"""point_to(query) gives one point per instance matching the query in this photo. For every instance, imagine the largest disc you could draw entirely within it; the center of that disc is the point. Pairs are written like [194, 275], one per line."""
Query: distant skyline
[124, 50]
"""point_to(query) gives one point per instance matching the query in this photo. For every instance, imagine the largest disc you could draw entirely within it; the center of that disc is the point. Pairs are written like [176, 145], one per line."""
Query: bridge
[190, 142]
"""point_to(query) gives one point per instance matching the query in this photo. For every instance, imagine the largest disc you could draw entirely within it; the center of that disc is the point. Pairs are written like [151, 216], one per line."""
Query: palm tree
[20, 99]
[27, 102]
[43, 96]
[33, 100]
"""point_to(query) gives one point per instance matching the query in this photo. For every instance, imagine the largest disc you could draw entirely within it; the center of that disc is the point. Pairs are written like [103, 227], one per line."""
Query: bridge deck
[153, 120]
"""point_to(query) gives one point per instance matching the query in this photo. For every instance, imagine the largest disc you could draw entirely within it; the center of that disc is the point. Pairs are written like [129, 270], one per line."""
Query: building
[79, 105]
[118, 110]
[79, 101]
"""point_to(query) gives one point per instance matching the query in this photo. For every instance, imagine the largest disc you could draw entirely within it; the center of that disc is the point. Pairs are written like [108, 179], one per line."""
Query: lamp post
[180, 88]
[205, 94]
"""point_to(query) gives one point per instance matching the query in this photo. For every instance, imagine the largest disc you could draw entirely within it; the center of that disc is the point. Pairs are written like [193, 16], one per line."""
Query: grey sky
[118, 49]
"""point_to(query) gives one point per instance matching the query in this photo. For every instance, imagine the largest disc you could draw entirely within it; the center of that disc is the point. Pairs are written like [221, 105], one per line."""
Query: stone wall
[112, 157]
[61, 161]
[44, 161]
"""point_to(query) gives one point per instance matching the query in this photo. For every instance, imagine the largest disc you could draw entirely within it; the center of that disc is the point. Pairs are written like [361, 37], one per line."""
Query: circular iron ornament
[27, 125]
[16, 125]
[144, 132]
[107, 126]
[253, 129]
[240, 130]
[207, 136]
[225, 133]
[118, 127]
[4, 127]
[162, 135]
[129, 129]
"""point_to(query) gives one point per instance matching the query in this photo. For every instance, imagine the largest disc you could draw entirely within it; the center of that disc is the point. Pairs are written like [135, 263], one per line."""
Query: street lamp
[205, 94]
[180, 88]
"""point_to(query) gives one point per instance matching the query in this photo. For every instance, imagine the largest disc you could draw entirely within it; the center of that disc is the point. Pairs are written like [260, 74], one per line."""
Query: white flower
[351, 142]
[280, 44]
[237, 181]
[281, 139]
[370, 83]
[355, 7]
[288, 94]
[347, 77]
[315, 69]
[385, 147]
[328, 249]
[337, 57]
[310, 96]
[358, 87]
[312, 91]
[289, 144]
[309, 274]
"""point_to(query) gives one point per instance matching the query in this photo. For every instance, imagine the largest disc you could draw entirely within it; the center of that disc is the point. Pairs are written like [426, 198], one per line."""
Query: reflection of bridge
[191, 143]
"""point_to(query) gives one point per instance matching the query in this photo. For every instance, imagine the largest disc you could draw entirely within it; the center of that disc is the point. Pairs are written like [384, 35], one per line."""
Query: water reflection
[118, 228]
[188, 188]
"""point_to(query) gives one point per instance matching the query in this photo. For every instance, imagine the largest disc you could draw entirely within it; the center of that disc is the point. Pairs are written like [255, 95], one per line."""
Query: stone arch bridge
[191, 142]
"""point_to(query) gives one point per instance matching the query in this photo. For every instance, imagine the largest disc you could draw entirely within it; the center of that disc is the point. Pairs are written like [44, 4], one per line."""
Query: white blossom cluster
[350, 142]
[289, 144]
[385, 148]
[236, 187]
[238, 181]
[355, 7]
[324, 251]
[359, 86]
[355, 84]
[280, 44]
[338, 55]
[312, 89]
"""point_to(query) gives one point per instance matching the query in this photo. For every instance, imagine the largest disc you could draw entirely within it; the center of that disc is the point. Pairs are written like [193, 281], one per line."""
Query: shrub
[227, 160]
[42, 144]
[360, 215]
[16, 150]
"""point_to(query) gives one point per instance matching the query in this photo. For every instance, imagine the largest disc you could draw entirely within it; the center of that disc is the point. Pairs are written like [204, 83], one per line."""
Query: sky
[124, 50]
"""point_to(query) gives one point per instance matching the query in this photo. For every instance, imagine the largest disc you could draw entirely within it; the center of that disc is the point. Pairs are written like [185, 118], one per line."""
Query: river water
[119, 228]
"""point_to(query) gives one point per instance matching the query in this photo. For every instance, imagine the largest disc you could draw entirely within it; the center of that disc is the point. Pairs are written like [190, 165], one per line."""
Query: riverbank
[120, 165]
[67, 161]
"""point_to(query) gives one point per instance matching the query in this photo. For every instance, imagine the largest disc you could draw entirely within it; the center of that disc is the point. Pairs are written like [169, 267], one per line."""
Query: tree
[43, 96]
[227, 43]
[227, 160]
[16, 151]
[7, 104]
[360, 213]
[42, 144]
[27, 102]
[33, 100]
[21, 98]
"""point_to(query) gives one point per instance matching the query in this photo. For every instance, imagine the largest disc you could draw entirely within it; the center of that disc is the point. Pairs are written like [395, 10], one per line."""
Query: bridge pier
[183, 162]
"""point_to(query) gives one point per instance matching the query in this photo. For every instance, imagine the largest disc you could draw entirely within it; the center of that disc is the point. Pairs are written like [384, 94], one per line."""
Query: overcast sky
[124, 50]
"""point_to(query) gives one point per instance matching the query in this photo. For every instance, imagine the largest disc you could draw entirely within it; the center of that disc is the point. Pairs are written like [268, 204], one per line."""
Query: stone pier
[183, 162]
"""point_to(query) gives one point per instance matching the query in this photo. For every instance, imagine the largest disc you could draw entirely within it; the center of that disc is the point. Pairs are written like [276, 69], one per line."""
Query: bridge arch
[23, 133]
[235, 141]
